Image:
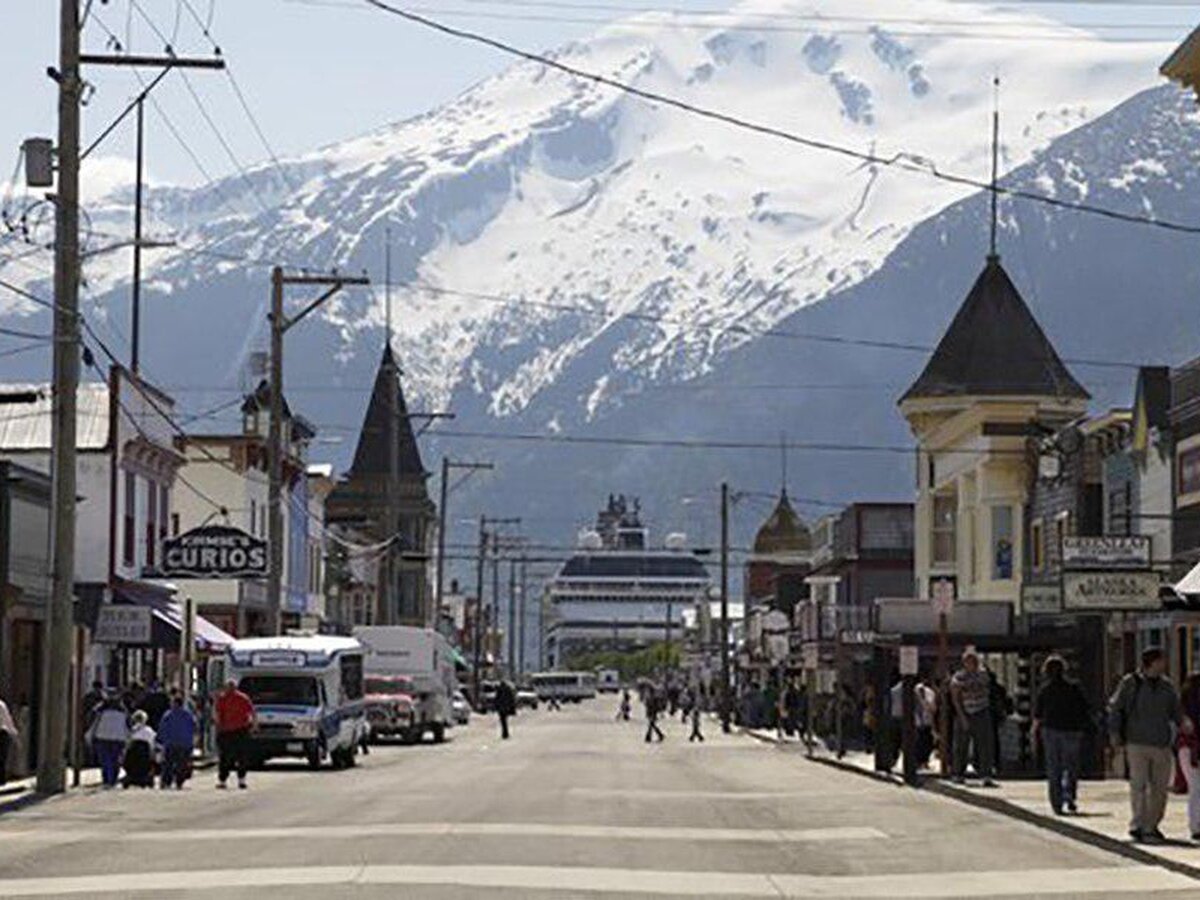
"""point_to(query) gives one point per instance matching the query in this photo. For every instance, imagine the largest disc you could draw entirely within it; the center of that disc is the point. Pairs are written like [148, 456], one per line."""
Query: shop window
[1002, 543]
[1037, 551]
[945, 511]
[128, 527]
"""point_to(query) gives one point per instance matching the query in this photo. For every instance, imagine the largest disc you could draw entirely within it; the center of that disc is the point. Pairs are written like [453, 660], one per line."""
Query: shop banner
[1111, 590]
[122, 625]
[1132, 552]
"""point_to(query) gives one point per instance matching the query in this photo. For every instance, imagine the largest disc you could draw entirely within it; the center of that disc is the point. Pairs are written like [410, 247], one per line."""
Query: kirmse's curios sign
[215, 551]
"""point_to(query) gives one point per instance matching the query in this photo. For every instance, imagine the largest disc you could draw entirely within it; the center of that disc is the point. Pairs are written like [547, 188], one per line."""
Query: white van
[423, 656]
[308, 693]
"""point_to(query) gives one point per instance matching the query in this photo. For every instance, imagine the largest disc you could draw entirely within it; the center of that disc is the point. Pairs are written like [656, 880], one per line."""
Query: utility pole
[448, 465]
[136, 287]
[55, 700]
[52, 770]
[280, 325]
[477, 619]
[523, 613]
[725, 680]
[512, 616]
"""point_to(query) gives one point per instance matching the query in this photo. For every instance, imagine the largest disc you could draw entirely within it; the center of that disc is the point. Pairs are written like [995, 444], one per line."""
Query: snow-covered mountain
[563, 252]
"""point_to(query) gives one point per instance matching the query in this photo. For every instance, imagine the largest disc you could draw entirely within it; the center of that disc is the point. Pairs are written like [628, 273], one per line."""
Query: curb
[1055, 824]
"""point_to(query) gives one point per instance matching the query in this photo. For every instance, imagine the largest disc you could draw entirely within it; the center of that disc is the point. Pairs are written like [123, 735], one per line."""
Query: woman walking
[109, 732]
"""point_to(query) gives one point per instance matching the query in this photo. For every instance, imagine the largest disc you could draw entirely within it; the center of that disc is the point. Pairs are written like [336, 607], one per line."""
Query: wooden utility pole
[448, 465]
[52, 737]
[512, 616]
[477, 618]
[280, 325]
[726, 699]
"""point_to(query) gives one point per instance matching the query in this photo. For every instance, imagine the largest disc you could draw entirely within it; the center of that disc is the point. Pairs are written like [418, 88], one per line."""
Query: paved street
[575, 805]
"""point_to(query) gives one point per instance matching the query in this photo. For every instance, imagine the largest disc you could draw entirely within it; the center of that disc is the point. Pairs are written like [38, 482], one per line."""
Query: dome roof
[783, 532]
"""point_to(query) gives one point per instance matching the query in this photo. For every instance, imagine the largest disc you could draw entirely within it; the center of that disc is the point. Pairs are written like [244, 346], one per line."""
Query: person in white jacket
[109, 732]
[139, 752]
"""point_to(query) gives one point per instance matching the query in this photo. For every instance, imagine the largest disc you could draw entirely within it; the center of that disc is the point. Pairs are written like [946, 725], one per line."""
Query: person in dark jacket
[655, 700]
[1143, 713]
[506, 705]
[155, 704]
[177, 737]
[1060, 718]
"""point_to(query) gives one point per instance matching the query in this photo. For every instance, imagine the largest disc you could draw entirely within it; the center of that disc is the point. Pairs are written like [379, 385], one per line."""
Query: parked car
[527, 697]
[391, 710]
[461, 708]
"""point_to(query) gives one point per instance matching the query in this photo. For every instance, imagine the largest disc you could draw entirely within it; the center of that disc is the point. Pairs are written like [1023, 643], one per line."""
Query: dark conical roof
[995, 347]
[380, 436]
[783, 532]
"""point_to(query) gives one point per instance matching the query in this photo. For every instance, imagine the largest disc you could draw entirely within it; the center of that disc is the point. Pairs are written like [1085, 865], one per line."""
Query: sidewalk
[1103, 819]
[19, 792]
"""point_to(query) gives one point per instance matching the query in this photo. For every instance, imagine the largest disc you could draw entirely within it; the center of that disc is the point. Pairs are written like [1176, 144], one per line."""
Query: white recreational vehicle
[308, 693]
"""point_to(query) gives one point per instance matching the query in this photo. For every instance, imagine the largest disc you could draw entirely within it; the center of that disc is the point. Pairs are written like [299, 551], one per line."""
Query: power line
[903, 160]
[966, 30]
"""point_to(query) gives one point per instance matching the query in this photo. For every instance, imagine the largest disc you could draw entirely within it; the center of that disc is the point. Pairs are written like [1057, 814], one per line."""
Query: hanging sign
[1132, 552]
[215, 551]
[1111, 590]
[122, 625]
[910, 659]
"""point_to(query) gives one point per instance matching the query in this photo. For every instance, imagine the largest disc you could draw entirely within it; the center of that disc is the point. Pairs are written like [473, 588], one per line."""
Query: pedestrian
[626, 705]
[1141, 714]
[8, 739]
[893, 738]
[970, 700]
[654, 707]
[925, 716]
[131, 699]
[1060, 718]
[685, 704]
[89, 707]
[1187, 750]
[552, 701]
[155, 704]
[506, 705]
[139, 752]
[235, 719]
[108, 734]
[177, 737]
[695, 714]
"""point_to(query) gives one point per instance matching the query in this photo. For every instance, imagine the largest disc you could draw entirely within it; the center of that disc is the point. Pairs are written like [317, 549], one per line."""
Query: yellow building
[993, 382]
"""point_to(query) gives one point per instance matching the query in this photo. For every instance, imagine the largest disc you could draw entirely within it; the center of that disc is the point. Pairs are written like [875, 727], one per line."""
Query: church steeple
[385, 432]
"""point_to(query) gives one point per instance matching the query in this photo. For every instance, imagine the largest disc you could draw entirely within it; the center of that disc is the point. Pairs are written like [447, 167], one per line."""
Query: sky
[317, 71]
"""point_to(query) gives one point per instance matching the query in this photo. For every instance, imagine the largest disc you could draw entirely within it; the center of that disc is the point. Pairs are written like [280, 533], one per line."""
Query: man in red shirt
[235, 717]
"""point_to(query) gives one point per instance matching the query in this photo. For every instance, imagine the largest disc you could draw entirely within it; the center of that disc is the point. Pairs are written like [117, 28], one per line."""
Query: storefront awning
[1189, 585]
[167, 624]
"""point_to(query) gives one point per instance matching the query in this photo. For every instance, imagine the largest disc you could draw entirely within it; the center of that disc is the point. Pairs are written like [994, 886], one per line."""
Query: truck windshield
[289, 690]
[389, 686]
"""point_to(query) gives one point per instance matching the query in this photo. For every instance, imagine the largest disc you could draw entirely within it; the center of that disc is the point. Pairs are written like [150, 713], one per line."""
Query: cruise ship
[616, 593]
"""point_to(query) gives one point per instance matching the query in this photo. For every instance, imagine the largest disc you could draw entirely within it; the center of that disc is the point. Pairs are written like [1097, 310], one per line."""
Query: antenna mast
[992, 254]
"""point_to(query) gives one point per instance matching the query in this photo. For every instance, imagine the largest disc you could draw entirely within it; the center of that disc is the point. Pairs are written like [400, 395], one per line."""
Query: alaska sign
[215, 551]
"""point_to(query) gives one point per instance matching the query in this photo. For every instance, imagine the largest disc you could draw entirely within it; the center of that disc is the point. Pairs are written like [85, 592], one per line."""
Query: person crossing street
[236, 718]
[654, 708]
[506, 706]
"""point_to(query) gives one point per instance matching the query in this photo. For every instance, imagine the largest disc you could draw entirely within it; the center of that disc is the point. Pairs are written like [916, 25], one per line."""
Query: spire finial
[783, 463]
[387, 284]
[993, 255]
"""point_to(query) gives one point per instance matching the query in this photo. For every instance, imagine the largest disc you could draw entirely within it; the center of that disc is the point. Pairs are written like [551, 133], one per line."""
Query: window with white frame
[945, 534]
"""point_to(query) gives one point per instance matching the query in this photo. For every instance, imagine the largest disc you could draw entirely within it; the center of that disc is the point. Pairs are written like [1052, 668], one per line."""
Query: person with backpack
[1143, 714]
[1060, 718]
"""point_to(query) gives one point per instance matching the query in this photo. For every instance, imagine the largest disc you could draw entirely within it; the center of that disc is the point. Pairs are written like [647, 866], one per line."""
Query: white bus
[308, 693]
[570, 686]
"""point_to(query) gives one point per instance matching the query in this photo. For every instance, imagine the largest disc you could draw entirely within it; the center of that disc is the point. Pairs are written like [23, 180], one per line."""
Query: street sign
[1132, 552]
[1111, 590]
[941, 595]
[216, 552]
[909, 660]
[1041, 598]
[122, 625]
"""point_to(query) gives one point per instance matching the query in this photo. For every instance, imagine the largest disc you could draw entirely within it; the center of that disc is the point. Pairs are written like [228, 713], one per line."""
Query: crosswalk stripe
[1072, 882]
[464, 829]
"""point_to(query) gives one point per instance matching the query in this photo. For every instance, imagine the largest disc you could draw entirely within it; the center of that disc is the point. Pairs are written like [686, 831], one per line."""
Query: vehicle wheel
[314, 755]
[439, 734]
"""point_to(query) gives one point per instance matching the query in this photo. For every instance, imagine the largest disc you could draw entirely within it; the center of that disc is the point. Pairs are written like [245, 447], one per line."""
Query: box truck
[425, 658]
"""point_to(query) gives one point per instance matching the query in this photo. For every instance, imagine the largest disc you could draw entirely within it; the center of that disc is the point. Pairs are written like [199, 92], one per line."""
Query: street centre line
[641, 882]
[465, 829]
